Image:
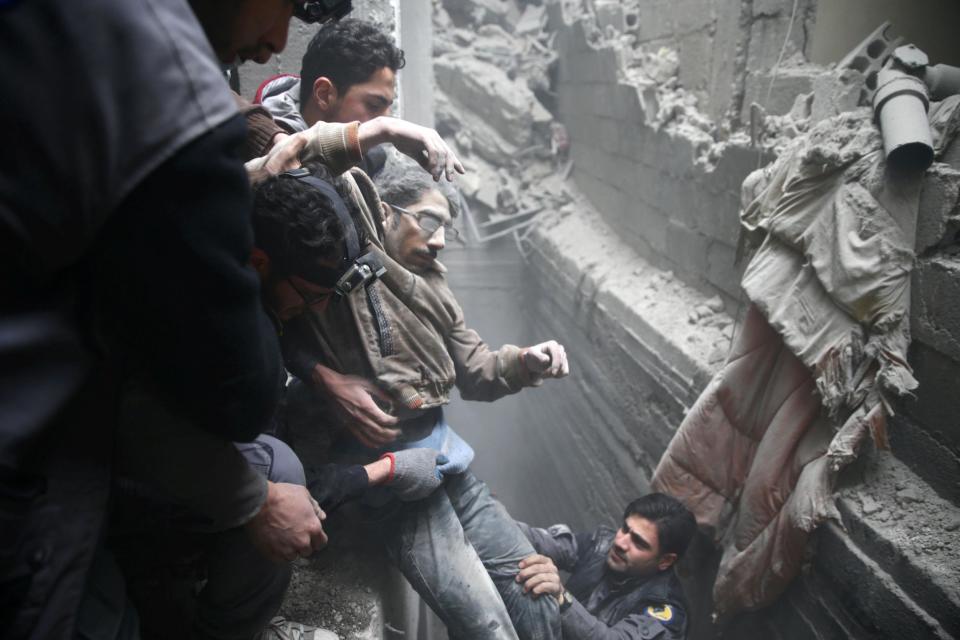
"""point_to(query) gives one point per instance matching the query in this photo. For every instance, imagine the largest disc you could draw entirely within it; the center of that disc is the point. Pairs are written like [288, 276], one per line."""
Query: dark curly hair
[296, 225]
[348, 52]
[675, 523]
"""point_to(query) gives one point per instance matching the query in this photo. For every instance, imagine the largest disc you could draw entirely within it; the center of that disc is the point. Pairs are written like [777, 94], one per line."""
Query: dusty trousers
[460, 550]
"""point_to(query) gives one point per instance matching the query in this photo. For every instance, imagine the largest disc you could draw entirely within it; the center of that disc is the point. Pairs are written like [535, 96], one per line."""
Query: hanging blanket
[818, 360]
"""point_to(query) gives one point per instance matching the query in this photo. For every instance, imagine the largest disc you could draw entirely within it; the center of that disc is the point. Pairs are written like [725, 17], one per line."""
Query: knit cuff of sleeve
[393, 467]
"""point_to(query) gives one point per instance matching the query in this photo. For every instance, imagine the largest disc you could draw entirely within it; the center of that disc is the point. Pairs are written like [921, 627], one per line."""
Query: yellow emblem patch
[663, 614]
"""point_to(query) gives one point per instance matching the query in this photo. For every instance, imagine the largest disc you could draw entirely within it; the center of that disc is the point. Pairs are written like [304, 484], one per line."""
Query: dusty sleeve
[261, 128]
[557, 543]
[334, 484]
[181, 297]
[335, 145]
[484, 374]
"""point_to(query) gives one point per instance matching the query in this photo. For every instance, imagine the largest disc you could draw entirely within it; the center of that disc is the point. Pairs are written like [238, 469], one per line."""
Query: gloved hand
[415, 474]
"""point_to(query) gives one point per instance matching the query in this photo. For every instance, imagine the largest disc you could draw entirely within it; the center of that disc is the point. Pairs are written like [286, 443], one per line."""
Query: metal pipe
[900, 105]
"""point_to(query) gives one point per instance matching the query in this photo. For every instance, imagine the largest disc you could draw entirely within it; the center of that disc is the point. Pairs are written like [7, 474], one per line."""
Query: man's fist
[546, 360]
[288, 525]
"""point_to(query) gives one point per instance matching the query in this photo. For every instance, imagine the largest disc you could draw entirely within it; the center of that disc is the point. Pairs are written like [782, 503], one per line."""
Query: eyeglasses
[310, 299]
[429, 223]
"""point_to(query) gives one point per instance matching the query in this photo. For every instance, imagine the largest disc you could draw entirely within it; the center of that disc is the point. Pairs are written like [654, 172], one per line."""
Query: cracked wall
[659, 106]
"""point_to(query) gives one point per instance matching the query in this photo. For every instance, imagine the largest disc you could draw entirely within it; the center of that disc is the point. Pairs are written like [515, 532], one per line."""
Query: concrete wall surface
[668, 189]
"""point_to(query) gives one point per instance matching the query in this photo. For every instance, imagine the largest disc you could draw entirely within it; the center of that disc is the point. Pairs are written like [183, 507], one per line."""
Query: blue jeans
[460, 550]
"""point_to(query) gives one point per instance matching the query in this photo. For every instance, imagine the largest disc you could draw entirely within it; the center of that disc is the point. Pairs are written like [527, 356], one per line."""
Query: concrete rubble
[492, 64]
[660, 153]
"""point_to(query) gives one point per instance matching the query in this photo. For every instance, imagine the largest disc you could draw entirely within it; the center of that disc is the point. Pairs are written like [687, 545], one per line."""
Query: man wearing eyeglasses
[389, 358]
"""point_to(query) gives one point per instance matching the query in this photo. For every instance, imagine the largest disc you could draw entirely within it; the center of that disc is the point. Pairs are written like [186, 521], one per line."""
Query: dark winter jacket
[607, 606]
[123, 240]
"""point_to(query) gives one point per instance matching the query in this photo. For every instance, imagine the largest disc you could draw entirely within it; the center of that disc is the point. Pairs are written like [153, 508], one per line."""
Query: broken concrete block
[463, 37]
[934, 289]
[503, 103]
[835, 93]
[469, 184]
[485, 184]
[909, 495]
[609, 14]
[870, 506]
[508, 197]
[478, 12]
[715, 304]
[532, 20]
[938, 220]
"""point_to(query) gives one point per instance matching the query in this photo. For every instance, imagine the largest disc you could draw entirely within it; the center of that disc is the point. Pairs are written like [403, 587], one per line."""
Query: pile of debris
[493, 61]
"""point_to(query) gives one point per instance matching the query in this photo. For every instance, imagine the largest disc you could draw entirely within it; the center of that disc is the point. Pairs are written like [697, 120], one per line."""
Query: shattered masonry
[667, 110]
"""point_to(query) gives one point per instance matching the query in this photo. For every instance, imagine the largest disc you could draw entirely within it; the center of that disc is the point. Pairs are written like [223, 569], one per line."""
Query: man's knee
[533, 618]
[274, 459]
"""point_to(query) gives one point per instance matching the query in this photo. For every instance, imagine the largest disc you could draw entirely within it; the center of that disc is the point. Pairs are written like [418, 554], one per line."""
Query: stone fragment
[532, 20]
[702, 310]
[503, 103]
[718, 354]
[463, 37]
[715, 304]
[453, 118]
[938, 219]
[693, 317]
[870, 505]
[909, 495]
[609, 15]
[478, 12]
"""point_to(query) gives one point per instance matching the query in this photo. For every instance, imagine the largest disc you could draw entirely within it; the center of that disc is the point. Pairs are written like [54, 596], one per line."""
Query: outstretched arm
[340, 146]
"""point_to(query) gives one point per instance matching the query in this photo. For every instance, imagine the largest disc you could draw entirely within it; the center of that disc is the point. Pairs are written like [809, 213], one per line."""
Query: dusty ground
[340, 588]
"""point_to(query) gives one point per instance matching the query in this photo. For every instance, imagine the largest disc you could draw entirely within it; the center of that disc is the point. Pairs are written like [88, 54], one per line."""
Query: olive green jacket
[426, 347]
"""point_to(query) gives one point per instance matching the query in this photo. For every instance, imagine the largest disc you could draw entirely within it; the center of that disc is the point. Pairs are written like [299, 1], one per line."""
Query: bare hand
[420, 143]
[539, 575]
[284, 155]
[288, 525]
[366, 421]
[546, 360]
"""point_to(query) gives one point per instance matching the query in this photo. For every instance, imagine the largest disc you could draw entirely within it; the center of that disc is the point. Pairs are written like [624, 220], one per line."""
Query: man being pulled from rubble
[403, 343]
[300, 254]
[348, 74]
[622, 582]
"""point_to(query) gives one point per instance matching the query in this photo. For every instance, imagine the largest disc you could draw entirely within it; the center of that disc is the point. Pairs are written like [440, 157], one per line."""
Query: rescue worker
[622, 583]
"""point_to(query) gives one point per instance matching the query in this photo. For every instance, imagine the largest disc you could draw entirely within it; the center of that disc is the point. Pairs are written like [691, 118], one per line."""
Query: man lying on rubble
[622, 582]
[402, 341]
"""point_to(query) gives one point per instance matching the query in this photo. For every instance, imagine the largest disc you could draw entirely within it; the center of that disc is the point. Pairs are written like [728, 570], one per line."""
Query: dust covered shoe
[282, 629]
